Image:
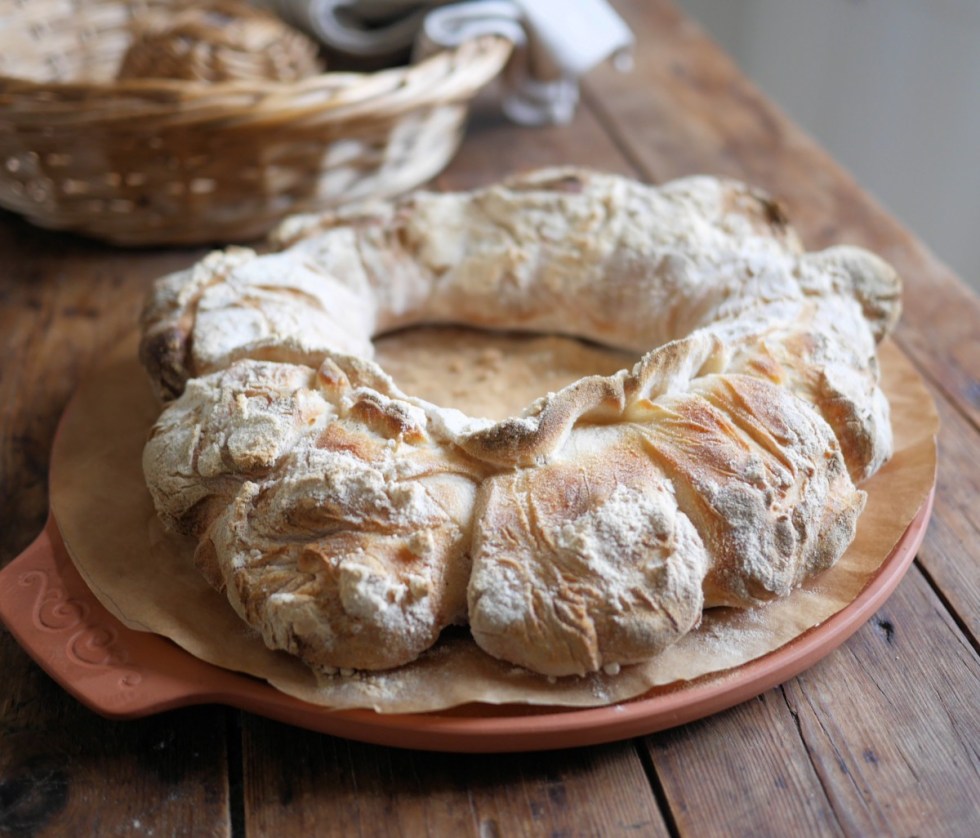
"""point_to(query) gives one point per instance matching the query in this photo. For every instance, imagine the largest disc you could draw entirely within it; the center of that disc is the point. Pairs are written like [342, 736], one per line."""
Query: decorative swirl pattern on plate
[89, 644]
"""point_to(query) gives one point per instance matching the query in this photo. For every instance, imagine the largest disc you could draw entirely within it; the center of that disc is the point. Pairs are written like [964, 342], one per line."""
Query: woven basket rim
[152, 88]
[132, 160]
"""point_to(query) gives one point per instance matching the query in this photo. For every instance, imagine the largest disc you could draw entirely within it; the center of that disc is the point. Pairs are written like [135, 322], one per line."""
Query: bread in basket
[166, 161]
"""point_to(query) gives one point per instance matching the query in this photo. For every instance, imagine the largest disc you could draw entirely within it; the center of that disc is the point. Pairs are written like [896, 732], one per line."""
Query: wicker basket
[159, 161]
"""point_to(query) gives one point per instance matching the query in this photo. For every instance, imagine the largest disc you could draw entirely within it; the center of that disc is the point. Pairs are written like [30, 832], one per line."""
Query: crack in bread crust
[351, 522]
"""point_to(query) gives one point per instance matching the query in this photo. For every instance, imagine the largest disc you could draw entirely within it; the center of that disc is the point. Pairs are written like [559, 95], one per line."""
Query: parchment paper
[146, 578]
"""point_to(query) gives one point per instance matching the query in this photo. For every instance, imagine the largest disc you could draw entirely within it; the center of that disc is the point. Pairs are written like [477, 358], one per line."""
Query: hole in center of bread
[489, 374]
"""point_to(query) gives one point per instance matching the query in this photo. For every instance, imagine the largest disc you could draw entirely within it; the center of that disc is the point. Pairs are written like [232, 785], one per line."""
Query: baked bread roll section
[350, 522]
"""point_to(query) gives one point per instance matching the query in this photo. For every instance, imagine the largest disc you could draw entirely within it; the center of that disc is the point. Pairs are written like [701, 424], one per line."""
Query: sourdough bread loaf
[351, 522]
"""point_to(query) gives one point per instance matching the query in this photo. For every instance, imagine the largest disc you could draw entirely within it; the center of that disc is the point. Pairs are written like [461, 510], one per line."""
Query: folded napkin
[556, 41]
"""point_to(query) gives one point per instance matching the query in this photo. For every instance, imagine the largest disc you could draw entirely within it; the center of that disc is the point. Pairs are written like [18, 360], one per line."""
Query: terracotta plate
[122, 673]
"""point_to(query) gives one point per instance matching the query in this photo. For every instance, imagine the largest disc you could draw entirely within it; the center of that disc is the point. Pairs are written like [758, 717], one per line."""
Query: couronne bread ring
[350, 523]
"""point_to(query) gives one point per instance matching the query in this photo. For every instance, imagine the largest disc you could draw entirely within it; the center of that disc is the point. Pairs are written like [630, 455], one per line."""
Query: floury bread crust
[558, 251]
[351, 522]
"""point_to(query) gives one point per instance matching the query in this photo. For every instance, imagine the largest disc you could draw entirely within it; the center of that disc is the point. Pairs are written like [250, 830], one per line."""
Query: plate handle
[49, 610]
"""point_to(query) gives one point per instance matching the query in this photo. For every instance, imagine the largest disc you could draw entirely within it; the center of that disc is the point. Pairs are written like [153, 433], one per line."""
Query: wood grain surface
[880, 738]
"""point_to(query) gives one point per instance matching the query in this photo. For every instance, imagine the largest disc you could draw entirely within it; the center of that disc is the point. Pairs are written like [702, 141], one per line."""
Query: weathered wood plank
[742, 772]
[890, 725]
[686, 108]
[63, 302]
[862, 717]
[302, 784]
[65, 771]
[950, 554]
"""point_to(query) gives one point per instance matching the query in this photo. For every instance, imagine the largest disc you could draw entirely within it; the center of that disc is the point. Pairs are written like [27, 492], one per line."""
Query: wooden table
[882, 737]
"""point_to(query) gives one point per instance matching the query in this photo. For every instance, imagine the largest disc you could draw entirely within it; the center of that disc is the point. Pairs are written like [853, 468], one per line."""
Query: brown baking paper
[146, 578]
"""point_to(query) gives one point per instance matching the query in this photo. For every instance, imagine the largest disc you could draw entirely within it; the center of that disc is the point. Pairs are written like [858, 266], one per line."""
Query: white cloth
[555, 41]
